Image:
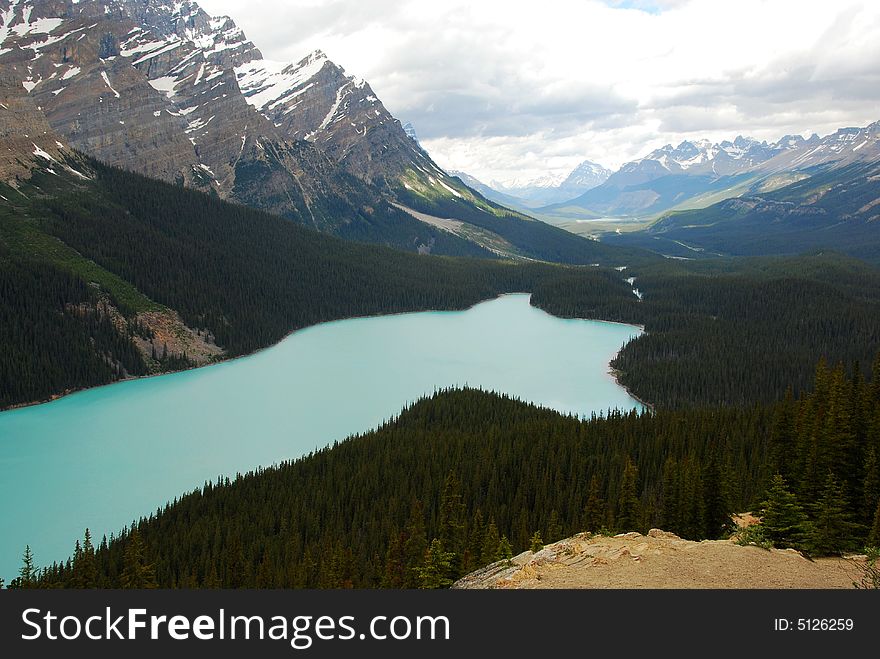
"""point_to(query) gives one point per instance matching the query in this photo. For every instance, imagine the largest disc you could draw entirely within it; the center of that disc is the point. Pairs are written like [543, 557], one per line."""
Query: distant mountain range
[835, 208]
[700, 173]
[536, 192]
[162, 88]
[694, 174]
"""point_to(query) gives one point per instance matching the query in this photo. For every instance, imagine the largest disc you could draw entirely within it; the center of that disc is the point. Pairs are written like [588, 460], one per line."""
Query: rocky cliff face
[166, 90]
[315, 100]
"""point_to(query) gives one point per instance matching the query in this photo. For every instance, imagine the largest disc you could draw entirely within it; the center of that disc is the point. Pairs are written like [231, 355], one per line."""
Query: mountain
[586, 176]
[833, 209]
[532, 193]
[164, 89]
[696, 174]
[489, 192]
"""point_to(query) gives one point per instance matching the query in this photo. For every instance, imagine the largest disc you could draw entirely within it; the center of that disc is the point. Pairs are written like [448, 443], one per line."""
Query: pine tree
[716, 511]
[505, 551]
[783, 438]
[415, 545]
[452, 521]
[85, 570]
[436, 568]
[395, 563]
[628, 514]
[832, 529]
[783, 519]
[595, 510]
[554, 528]
[536, 543]
[27, 575]
[476, 537]
[491, 545]
[670, 497]
[136, 572]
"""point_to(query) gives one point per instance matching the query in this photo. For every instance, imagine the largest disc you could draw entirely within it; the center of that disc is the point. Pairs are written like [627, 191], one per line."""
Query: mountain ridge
[698, 173]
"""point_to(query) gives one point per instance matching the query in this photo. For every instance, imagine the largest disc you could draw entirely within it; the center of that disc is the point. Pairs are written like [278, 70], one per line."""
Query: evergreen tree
[27, 575]
[476, 537]
[536, 544]
[717, 513]
[395, 563]
[452, 521]
[437, 566]
[670, 497]
[491, 545]
[136, 572]
[628, 513]
[783, 519]
[832, 529]
[85, 571]
[415, 545]
[505, 551]
[554, 528]
[595, 510]
[783, 438]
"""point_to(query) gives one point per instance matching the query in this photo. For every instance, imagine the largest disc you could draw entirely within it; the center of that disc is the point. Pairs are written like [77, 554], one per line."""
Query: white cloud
[506, 89]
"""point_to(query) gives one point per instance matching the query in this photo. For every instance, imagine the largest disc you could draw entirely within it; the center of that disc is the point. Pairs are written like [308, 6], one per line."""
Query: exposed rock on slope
[26, 139]
[661, 560]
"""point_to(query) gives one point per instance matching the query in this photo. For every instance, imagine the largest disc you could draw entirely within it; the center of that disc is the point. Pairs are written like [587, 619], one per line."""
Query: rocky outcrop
[661, 560]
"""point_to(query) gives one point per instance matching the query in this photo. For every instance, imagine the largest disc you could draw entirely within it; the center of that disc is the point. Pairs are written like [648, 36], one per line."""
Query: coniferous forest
[467, 477]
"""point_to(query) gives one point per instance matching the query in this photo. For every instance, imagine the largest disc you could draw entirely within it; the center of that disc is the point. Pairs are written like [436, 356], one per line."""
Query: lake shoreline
[228, 360]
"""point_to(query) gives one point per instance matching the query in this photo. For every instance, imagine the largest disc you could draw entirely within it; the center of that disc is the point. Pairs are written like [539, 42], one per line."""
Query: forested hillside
[732, 331]
[75, 253]
[467, 477]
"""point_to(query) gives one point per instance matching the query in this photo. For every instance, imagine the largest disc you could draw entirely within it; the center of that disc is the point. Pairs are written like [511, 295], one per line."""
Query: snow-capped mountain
[315, 100]
[585, 176]
[163, 88]
[701, 172]
[523, 184]
[553, 187]
[744, 154]
[702, 157]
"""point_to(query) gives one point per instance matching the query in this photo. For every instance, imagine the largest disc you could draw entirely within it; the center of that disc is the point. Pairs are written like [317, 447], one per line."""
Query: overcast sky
[513, 89]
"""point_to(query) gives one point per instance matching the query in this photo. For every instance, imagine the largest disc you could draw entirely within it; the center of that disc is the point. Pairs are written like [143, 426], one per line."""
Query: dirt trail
[662, 560]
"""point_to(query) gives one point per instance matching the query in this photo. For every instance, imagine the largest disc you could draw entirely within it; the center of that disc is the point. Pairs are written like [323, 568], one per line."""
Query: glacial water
[103, 457]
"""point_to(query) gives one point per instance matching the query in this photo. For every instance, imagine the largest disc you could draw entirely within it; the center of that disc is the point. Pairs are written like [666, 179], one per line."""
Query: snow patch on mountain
[267, 84]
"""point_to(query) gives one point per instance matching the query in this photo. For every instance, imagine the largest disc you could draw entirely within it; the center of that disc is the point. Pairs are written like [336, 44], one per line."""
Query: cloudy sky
[507, 89]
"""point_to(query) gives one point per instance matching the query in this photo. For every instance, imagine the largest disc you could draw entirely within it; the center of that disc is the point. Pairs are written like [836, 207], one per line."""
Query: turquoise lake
[104, 457]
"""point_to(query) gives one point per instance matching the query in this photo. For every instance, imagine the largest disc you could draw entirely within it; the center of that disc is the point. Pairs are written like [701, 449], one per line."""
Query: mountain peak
[316, 55]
